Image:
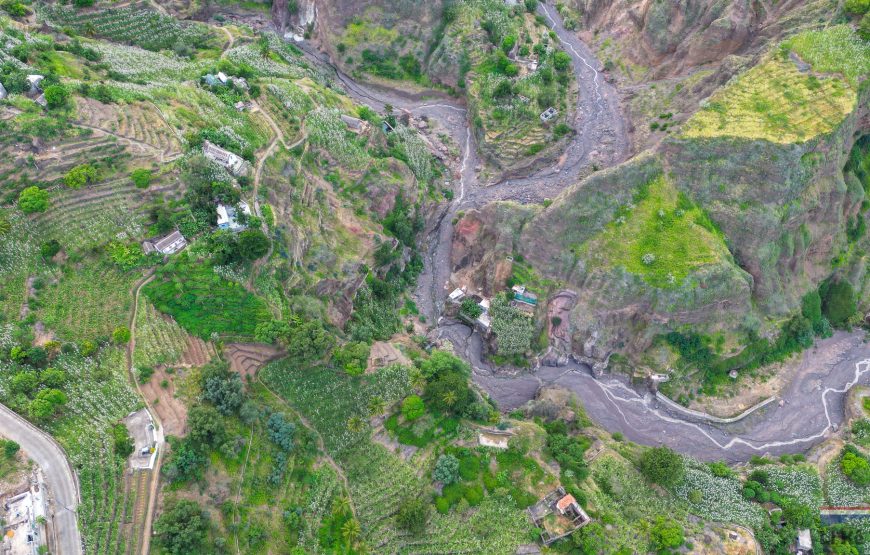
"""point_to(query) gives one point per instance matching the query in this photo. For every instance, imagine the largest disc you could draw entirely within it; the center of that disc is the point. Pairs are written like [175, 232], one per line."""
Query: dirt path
[320, 445]
[155, 472]
[278, 138]
[241, 483]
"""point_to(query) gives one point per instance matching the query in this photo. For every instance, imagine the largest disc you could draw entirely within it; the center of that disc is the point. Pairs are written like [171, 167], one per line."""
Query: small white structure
[170, 244]
[549, 114]
[484, 319]
[804, 542]
[34, 81]
[497, 439]
[3, 93]
[231, 161]
[457, 295]
[222, 77]
[355, 125]
[228, 216]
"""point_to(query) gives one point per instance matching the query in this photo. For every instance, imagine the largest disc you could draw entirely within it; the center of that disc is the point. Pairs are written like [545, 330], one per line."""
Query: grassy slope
[662, 224]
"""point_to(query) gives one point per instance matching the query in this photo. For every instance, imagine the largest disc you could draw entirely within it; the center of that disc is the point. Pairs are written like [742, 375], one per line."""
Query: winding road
[807, 411]
[59, 476]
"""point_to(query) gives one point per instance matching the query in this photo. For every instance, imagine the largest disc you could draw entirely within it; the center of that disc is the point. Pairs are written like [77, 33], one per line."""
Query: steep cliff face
[737, 215]
[671, 37]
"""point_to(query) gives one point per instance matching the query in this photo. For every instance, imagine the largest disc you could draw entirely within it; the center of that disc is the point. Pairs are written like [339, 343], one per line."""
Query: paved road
[58, 475]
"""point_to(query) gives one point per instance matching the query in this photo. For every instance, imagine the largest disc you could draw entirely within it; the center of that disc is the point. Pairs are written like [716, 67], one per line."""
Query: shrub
[122, 443]
[666, 534]
[49, 249]
[857, 7]
[446, 470]
[352, 357]
[33, 199]
[121, 335]
[413, 515]
[662, 466]
[56, 96]
[855, 466]
[80, 176]
[141, 178]
[442, 505]
[10, 448]
[470, 309]
[183, 527]
[838, 301]
[413, 407]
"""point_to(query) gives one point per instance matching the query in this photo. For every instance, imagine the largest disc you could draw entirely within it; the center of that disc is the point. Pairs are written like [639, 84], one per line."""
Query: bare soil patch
[169, 408]
[385, 354]
[198, 353]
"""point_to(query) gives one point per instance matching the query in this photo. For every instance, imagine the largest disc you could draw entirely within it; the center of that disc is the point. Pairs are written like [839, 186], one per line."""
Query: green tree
[52, 377]
[281, 431]
[376, 406]
[561, 61]
[121, 441]
[222, 388]
[413, 407]
[855, 466]
[56, 96]
[182, 528]
[662, 466]
[352, 357]
[141, 178]
[10, 448]
[33, 199]
[840, 547]
[49, 249]
[413, 515]
[864, 27]
[253, 244]
[446, 470]
[206, 426]
[79, 176]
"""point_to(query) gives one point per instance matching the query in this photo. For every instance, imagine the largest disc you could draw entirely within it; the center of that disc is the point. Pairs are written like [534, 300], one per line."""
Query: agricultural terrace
[661, 236]
[18, 260]
[97, 395]
[89, 217]
[780, 101]
[86, 301]
[159, 339]
[134, 25]
[380, 479]
[203, 302]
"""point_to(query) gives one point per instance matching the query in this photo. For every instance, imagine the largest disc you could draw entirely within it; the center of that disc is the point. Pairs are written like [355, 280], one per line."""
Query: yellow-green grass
[663, 238]
[836, 50]
[363, 31]
[776, 102]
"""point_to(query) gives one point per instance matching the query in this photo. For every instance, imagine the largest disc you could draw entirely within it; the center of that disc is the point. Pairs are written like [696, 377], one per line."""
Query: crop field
[288, 104]
[18, 259]
[138, 121]
[662, 237]
[776, 102]
[159, 339]
[835, 50]
[380, 480]
[87, 302]
[85, 218]
[129, 25]
[203, 302]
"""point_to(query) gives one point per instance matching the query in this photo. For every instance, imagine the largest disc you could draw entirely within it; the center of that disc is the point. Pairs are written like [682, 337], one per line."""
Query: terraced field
[129, 25]
[84, 218]
[141, 123]
[777, 102]
[247, 358]
[159, 339]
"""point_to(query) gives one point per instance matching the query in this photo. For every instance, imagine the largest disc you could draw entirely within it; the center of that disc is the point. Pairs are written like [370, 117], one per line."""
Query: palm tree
[449, 398]
[418, 381]
[341, 506]
[350, 532]
[377, 406]
[355, 424]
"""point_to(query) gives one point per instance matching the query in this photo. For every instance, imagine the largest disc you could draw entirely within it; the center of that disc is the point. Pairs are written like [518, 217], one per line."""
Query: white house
[222, 77]
[227, 216]
[231, 161]
[549, 114]
[170, 244]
